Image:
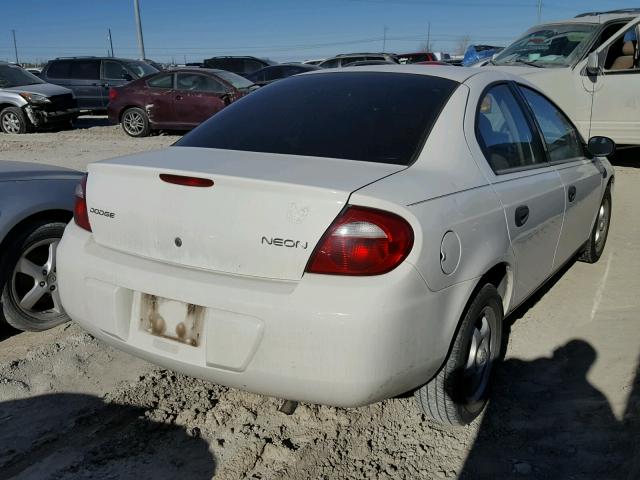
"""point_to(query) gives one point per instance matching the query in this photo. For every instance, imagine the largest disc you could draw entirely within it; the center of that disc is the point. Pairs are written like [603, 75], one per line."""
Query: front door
[197, 97]
[528, 187]
[114, 74]
[616, 96]
[581, 176]
[87, 86]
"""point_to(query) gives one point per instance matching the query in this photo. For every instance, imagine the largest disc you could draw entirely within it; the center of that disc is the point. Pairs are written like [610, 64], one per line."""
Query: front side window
[364, 116]
[114, 70]
[505, 135]
[622, 54]
[562, 139]
[554, 45]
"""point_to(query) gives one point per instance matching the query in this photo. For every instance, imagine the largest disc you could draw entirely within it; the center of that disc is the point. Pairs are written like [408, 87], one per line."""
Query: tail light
[113, 94]
[80, 211]
[362, 241]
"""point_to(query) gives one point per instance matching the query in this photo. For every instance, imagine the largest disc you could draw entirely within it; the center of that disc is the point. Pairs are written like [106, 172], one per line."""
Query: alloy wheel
[477, 369]
[10, 123]
[133, 123]
[602, 225]
[34, 283]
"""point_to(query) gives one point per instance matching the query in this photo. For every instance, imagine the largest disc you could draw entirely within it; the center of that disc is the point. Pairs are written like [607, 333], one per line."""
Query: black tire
[453, 396]
[598, 238]
[135, 122]
[32, 242]
[13, 120]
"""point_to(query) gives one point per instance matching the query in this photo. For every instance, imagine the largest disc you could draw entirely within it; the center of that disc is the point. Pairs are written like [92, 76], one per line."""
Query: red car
[175, 100]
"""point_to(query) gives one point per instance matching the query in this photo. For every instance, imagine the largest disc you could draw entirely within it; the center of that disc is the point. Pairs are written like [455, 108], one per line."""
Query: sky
[282, 30]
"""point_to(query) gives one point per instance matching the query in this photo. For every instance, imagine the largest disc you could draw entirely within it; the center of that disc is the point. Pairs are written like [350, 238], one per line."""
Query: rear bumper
[342, 341]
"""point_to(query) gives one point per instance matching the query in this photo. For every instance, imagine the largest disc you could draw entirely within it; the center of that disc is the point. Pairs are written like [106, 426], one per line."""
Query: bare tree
[462, 44]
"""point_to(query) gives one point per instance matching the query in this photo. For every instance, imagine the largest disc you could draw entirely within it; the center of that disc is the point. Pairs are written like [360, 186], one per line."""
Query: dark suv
[91, 77]
[238, 65]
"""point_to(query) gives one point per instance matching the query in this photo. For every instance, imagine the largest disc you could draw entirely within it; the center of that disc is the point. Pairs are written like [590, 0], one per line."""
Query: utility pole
[539, 12]
[15, 46]
[384, 38]
[111, 43]
[136, 8]
[428, 37]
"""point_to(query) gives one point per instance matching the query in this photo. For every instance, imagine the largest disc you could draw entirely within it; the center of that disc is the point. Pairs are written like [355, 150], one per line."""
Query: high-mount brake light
[362, 241]
[186, 181]
[80, 210]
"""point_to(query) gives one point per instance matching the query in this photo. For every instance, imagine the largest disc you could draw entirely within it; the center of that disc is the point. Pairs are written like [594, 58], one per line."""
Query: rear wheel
[598, 238]
[459, 393]
[30, 297]
[13, 120]
[135, 122]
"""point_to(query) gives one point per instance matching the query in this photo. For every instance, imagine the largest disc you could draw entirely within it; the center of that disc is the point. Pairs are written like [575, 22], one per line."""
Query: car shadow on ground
[91, 121]
[81, 436]
[546, 421]
[6, 330]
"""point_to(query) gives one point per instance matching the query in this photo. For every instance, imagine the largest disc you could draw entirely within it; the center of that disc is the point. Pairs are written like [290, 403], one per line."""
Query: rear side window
[366, 116]
[505, 135]
[161, 81]
[562, 139]
[59, 69]
[198, 83]
[85, 69]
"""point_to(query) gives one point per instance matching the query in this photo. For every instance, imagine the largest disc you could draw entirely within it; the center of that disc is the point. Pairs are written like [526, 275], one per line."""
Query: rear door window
[161, 81]
[365, 116]
[85, 69]
[59, 69]
[508, 140]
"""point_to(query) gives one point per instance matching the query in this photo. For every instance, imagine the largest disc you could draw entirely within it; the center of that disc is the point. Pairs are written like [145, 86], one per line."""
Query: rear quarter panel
[21, 199]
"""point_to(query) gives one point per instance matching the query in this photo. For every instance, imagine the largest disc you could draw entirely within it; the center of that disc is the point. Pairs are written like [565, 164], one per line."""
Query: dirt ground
[566, 404]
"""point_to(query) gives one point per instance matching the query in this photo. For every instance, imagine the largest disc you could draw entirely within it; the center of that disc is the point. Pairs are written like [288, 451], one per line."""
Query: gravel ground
[566, 402]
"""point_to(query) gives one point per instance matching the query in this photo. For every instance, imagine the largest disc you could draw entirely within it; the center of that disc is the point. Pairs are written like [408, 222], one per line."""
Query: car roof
[117, 59]
[595, 19]
[457, 74]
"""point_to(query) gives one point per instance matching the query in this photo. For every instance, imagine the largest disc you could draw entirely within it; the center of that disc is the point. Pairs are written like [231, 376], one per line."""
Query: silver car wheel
[11, 123]
[479, 359]
[133, 123]
[34, 282]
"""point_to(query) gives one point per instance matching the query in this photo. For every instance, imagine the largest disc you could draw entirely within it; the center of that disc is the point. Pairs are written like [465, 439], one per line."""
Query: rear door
[529, 188]
[197, 97]
[581, 176]
[161, 99]
[85, 77]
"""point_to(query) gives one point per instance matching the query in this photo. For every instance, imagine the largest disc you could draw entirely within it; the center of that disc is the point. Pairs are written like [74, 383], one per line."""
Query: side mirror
[601, 146]
[593, 63]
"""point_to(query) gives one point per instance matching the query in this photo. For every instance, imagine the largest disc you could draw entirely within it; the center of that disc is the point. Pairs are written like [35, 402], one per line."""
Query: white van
[589, 65]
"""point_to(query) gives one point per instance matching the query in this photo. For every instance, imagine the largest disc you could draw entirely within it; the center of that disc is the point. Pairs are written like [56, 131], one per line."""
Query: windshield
[14, 76]
[368, 116]
[236, 80]
[549, 45]
[141, 69]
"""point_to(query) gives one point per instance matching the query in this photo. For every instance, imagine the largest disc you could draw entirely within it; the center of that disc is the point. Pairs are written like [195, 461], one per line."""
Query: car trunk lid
[262, 216]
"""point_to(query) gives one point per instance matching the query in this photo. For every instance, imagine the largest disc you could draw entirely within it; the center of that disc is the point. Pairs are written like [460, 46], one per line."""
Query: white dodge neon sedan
[340, 237]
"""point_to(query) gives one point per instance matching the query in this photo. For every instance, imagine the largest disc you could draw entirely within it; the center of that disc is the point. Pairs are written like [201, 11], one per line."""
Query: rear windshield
[142, 69]
[369, 116]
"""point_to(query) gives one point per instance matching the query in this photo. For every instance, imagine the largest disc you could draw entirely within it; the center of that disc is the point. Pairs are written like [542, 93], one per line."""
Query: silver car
[27, 103]
[36, 202]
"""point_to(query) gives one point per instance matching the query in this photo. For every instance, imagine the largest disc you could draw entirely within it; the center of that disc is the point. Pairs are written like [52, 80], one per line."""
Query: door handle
[522, 215]
[572, 193]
